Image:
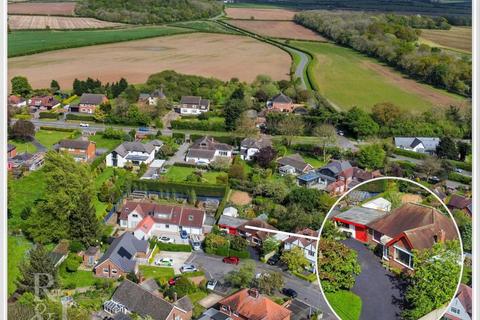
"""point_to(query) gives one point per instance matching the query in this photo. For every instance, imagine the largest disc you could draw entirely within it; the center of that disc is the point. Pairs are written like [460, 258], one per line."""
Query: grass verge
[346, 304]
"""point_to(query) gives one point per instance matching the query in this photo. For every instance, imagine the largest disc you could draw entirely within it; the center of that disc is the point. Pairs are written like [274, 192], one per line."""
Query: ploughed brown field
[53, 8]
[455, 38]
[278, 29]
[210, 55]
[19, 22]
[260, 14]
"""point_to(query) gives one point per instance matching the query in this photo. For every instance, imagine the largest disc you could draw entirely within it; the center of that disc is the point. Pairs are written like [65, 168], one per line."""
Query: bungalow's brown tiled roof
[296, 161]
[74, 144]
[249, 304]
[259, 224]
[459, 202]
[304, 241]
[421, 225]
[92, 98]
[43, 101]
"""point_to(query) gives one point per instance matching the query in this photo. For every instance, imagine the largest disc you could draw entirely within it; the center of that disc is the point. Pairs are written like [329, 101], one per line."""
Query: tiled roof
[430, 143]
[92, 98]
[296, 161]
[74, 144]
[256, 143]
[251, 305]
[129, 146]
[281, 98]
[459, 202]
[259, 224]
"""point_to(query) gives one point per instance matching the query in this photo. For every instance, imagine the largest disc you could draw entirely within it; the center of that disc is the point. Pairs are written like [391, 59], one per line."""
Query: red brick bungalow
[412, 226]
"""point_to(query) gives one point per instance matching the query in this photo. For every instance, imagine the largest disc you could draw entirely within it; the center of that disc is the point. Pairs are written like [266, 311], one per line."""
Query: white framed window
[455, 310]
[114, 271]
[105, 270]
[403, 257]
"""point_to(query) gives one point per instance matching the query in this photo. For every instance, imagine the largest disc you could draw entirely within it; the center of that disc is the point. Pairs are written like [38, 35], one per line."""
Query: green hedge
[195, 124]
[57, 129]
[407, 165]
[49, 115]
[225, 252]
[459, 178]
[86, 117]
[461, 165]
[173, 247]
[223, 203]
[312, 277]
[410, 154]
[181, 187]
[70, 99]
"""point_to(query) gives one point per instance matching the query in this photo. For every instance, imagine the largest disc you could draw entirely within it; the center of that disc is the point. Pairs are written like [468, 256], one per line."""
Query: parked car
[84, 125]
[434, 179]
[289, 292]
[188, 268]
[274, 259]
[164, 262]
[183, 234]
[231, 260]
[166, 240]
[211, 284]
[195, 241]
[458, 170]
[143, 129]
[173, 281]
[340, 133]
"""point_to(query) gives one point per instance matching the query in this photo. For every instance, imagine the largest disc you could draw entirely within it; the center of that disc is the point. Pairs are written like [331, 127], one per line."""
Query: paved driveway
[179, 258]
[377, 287]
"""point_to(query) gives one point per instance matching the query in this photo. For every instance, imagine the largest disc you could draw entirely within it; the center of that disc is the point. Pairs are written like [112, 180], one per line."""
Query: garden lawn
[23, 193]
[160, 274]
[30, 42]
[348, 78]
[17, 248]
[50, 137]
[179, 174]
[79, 278]
[104, 143]
[346, 304]
[23, 146]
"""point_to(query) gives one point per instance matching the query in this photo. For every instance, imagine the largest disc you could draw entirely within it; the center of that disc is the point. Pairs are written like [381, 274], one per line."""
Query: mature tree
[242, 277]
[295, 259]
[464, 149]
[360, 123]
[237, 171]
[131, 94]
[270, 282]
[73, 185]
[265, 156]
[371, 156]
[291, 126]
[214, 241]
[54, 86]
[23, 130]
[327, 137]
[435, 279]
[84, 225]
[386, 113]
[270, 244]
[37, 267]
[238, 243]
[464, 223]
[20, 86]
[446, 149]
[232, 111]
[246, 127]
[430, 166]
[337, 265]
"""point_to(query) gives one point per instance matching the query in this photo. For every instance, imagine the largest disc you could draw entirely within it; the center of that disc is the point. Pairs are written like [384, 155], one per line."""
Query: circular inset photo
[389, 249]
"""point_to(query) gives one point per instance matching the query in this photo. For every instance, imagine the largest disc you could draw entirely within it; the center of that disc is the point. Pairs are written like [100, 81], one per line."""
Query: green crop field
[348, 78]
[30, 42]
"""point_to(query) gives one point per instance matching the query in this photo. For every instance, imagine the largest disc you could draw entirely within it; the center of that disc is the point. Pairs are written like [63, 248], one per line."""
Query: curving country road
[301, 67]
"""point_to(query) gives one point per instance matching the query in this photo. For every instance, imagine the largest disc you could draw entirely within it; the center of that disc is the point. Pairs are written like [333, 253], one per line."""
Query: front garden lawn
[104, 143]
[50, 137]
[161, 274]
[17, 249]
[180, 174]
[346, 304]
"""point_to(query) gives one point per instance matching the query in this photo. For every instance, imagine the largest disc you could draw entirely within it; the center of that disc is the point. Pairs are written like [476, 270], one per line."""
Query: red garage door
[361, 233]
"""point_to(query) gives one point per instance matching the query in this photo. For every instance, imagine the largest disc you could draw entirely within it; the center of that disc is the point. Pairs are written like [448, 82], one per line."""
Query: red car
[231, 260]
[172, 281]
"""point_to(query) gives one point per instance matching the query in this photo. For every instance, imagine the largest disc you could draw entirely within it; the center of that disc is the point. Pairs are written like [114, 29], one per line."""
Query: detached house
[355, 221]
[230, 224]
[308, 246]
[206, 150]
[461, 307]
[250, 146]
[255, 237]
[148, 219]
[281, 103]
[250, 304]
[412, 226]
[151, 98]
[457, 202]
[131, 298]
[135, 153]
[43, 102]
[16, 101]
[89, 102]
[80, 150]
[293, 164]
[193, 105]
[121, 257]
[417, 144]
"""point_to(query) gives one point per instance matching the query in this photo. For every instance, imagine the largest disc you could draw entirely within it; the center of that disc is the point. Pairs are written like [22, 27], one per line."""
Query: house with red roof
[148, 218]
[250, 304]
[461, 307]
[16, 101]
[43, 102]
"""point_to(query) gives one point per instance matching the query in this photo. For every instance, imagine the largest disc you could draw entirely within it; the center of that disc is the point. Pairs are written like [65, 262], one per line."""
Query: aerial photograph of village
[182, 159]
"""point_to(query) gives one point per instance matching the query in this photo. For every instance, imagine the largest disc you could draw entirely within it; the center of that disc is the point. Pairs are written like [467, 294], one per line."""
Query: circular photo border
[397, 179]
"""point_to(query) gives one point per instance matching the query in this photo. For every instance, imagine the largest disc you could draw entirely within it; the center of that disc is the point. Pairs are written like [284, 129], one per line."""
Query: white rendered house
[135, 153]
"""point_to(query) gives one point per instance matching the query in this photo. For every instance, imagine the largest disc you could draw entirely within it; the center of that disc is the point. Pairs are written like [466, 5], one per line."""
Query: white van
[195, 241]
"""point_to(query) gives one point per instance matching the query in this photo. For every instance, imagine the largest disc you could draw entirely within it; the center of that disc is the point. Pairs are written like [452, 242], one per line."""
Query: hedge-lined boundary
[410, 154]
[57, 129]
[86, 117]
[461, 165]
[202, 125]
[310, 278]
[459, 178]
[49, 115]
[226, 252]
[166, 186]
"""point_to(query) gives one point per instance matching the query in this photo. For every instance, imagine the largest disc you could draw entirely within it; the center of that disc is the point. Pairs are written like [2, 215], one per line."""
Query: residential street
[377, 287]
[307, 292]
